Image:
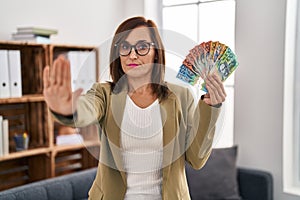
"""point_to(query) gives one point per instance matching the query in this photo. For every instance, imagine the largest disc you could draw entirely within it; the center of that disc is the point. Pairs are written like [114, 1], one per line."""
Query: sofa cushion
[217, 179]
[24, 193]
[59, 190]
[73, 186]
[82, 182]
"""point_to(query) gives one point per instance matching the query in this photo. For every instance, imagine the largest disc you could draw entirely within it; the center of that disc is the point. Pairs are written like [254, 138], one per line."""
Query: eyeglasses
[141, 48]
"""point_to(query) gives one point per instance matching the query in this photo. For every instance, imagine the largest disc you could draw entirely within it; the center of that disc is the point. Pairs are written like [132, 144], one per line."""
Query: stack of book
[34, 34]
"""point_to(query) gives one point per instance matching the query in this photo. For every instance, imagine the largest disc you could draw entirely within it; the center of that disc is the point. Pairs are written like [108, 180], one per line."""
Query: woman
[150, 128]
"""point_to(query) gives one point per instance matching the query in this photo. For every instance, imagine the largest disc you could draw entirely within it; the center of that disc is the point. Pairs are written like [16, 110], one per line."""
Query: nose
[133, 54]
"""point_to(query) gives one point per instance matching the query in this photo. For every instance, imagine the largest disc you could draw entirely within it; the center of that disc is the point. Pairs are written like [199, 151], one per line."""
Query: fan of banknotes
[206, 58]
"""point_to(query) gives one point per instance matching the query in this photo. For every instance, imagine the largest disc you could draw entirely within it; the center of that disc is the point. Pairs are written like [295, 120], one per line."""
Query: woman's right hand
[57, 87]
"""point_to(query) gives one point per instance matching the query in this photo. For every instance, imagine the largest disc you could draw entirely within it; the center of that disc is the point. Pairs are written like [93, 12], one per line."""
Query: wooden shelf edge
[23, 99]
[78, 46]
[22, 43]
[26, 153]
[67, 147]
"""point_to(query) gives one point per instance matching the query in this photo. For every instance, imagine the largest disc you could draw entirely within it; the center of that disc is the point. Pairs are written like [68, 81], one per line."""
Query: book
[15, 75]
[1, 136]
[37, 30]
[34, 38]
[4, 75]
[74, 138]
[5, 137]
[26, 35]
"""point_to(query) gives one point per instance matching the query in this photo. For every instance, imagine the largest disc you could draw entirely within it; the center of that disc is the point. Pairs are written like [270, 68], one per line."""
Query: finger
[57, 69]
[222, 91]
[207, 99]
[67, 74]
[217, 96]
[53, 71]
[213, 95]
[59, 73]
[217, 85]
[75, 95]
[46, 77]
[218, 80]
[216, 93]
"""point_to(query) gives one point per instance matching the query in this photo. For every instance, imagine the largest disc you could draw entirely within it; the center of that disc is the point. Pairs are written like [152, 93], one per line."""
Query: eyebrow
[136, 42]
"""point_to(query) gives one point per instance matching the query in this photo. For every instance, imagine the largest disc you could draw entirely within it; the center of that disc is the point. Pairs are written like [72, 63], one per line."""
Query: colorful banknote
[206, 58]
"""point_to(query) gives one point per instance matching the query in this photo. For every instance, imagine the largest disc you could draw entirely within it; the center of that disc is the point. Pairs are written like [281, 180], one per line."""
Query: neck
[140, 86]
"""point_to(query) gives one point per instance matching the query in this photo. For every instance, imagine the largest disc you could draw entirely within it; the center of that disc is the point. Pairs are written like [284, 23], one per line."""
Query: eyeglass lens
[141, 48]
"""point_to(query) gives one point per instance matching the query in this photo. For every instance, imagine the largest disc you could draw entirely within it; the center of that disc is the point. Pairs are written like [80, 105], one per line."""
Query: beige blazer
[188, 131]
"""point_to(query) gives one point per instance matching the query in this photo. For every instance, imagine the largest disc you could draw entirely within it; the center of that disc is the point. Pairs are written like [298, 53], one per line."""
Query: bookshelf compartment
[33, 61]
[88, 133]
[27, 117]
[75, 160]
[91, 156]
[57, 50]
[14, 173]
[37, 115]
[68, 162]
[34, 57]
[22, 171]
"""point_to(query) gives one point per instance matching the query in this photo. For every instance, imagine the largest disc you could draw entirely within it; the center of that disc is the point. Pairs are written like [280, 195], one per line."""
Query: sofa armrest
[255, 184]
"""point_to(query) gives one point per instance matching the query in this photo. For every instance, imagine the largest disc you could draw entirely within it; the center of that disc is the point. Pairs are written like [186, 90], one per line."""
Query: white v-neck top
[142, 150]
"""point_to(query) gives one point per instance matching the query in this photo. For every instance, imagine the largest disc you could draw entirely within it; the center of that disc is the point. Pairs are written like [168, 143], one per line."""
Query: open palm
[57, 87]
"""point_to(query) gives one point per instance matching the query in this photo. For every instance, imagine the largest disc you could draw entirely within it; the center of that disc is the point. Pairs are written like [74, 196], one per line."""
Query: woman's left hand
[216, 92]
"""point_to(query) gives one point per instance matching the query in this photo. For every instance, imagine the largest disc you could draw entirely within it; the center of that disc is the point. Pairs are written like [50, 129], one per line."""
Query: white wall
[260, 34]
[90, 22]
[79, 22]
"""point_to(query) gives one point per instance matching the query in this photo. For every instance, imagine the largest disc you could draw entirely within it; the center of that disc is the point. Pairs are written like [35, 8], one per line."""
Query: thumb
[76, 94]
[206, 99]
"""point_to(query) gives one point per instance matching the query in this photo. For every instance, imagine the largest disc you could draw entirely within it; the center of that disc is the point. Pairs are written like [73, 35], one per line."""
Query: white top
[142, 150]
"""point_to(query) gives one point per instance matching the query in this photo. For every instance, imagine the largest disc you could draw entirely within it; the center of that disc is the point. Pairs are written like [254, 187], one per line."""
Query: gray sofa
[253, 185]
[218, 179]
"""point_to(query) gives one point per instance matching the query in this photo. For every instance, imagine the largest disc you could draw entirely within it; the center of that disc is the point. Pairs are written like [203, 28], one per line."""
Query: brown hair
[116, 72]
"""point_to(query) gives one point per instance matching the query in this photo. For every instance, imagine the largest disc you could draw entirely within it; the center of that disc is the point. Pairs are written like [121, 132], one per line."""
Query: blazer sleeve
[201, 125]
[91, 108]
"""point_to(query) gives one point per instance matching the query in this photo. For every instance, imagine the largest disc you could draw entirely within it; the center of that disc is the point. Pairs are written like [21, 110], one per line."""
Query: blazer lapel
[117, 110]
[169, 118]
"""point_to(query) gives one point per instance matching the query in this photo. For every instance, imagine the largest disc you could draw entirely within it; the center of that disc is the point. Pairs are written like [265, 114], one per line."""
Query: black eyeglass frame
[134, 47]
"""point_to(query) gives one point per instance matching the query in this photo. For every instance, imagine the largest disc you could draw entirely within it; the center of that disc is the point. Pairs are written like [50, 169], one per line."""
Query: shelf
[73, 47]
[37, 151]
[26, 153]
[23, 99]
[12, 43]
[76, 146]
[30, 113]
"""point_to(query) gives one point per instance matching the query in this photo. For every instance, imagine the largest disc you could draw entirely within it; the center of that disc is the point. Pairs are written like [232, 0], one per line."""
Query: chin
[139, 72]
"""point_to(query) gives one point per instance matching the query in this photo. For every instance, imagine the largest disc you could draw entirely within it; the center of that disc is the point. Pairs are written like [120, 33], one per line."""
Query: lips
[132, 65]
